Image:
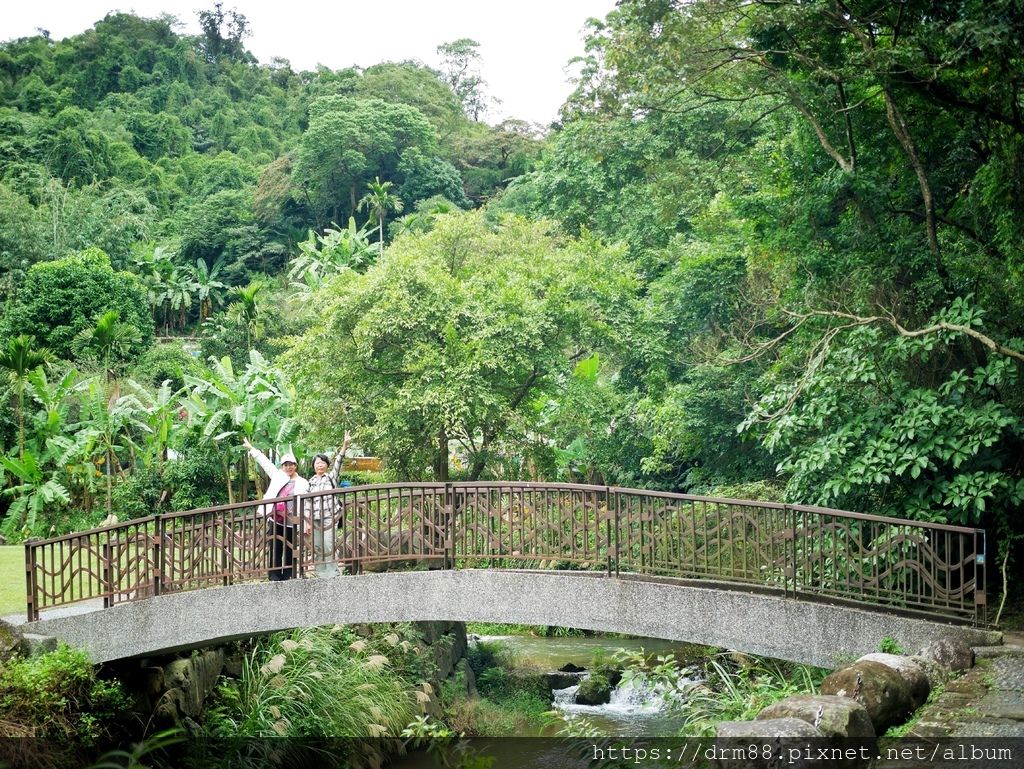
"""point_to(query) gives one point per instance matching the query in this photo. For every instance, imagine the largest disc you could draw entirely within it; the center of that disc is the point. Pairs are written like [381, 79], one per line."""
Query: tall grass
[316, 682]
[739, 691]
[338, 699]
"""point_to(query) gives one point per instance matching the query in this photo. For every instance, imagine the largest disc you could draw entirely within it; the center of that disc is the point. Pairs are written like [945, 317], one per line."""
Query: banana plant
[32, 493]
[255, 404]
[246, 311]
[160, 412]
[207, 286]
[52, 397]
[337, 250]
[78, 470]
[106, 427]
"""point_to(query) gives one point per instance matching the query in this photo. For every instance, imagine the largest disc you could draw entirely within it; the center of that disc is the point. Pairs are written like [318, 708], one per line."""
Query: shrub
[58, 697]
[139, 495]
[166, 360]
[195, 478]
[890, 645]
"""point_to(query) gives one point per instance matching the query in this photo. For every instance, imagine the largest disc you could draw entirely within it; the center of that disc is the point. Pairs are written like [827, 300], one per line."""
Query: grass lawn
[12, 580]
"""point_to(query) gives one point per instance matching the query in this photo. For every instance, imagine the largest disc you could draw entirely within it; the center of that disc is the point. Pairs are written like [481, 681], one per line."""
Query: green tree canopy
[456, 337]
[63, 298]
[349, 142]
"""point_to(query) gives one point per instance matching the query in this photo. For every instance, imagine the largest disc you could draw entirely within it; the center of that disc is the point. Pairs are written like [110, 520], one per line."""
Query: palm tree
[379, 201]
[109, 337]
[18, 359]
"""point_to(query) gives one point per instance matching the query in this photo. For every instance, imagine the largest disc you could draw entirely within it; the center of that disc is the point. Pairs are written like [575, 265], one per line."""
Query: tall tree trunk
[21, 420]
[441, 457]
[110, 484]
[227, 477]
[244, 473]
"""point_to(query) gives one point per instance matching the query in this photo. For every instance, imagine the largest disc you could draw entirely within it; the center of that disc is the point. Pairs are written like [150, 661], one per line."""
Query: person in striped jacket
[325, 477]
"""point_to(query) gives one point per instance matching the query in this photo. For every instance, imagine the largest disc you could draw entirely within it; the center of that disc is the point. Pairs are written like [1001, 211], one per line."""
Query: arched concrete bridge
[802, 631]
[802, 583]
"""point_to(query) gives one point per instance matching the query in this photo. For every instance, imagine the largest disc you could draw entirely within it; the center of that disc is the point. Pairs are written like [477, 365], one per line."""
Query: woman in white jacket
[285, 481]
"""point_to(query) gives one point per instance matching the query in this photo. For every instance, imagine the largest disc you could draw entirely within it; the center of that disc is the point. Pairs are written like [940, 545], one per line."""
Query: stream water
[633, 710]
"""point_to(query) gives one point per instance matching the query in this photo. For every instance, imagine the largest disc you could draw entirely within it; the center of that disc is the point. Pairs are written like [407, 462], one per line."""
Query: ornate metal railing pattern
[794, 550]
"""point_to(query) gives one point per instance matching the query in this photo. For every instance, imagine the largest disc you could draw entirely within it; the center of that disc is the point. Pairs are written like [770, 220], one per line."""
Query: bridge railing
[795, 550]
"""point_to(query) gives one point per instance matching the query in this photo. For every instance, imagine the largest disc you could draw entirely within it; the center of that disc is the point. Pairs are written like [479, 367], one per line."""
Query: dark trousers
[282, 548]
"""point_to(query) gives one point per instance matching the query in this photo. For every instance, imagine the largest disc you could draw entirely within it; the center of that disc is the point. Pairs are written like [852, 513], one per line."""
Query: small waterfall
[637, 698]
[565, 698]
[635, 709]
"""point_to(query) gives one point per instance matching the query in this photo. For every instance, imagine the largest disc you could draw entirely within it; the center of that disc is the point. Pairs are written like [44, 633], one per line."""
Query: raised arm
[261, 459]
[335, 470]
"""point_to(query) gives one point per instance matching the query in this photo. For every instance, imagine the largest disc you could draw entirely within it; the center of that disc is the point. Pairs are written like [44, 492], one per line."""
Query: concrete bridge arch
[758, 622]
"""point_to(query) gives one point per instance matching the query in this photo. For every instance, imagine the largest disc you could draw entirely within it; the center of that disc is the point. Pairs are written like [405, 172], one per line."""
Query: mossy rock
[836, 717]
[533, 682]
[910, 670]
[880, 689]
[594, 690]
[559, 680]
[10, 640]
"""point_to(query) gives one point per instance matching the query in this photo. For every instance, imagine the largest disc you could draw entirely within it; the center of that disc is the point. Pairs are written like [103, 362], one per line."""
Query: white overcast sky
[525, 45]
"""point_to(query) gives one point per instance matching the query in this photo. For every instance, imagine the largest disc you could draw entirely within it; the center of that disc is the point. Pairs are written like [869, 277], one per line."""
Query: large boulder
[839, 718]
[910, 670]
[757, 744]
[10, 639]
[951, 654]
[880, 689]
[767, 729]
[594, 690]
[529, 682]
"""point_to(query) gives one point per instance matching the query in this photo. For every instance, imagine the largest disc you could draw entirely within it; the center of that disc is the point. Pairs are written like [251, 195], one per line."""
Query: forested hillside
[770, 249]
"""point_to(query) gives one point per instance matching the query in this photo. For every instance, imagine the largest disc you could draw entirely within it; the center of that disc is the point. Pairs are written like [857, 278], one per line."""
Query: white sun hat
[288, 457]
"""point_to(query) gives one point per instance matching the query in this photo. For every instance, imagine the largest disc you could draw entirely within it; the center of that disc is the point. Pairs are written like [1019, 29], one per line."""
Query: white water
[634, 708]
